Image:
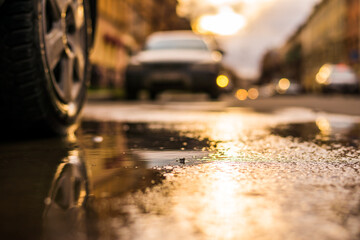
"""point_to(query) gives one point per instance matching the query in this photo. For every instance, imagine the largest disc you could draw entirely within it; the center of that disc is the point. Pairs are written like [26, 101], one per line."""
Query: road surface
[188, 168]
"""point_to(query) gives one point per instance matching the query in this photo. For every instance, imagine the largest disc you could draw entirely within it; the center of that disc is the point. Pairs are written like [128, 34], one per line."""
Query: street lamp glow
[323, 75]
[284, 84]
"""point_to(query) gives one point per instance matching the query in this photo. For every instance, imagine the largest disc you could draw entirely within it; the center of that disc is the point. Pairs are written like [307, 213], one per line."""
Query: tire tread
[19, 94]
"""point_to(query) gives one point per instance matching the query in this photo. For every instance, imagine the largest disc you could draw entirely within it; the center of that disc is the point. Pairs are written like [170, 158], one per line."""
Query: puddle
[142, 144]
[322, 132]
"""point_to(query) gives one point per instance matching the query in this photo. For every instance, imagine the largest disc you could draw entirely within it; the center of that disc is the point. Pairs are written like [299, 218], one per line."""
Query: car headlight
[222, 81]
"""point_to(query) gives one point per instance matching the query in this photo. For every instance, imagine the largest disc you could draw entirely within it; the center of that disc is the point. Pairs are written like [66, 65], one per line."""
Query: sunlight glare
[225, 22]
[221, 2]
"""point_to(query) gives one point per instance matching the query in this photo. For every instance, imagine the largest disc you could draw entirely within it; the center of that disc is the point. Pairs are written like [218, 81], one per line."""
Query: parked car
[176, 60]
[337, 78]
[44, 67]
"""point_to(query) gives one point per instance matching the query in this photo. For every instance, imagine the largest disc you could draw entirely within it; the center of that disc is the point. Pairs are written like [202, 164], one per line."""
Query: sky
[247, 28]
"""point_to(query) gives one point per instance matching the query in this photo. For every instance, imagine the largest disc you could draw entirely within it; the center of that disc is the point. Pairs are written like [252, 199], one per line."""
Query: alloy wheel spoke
[60, 4]
[55, 9]
[78, 9]
[65, 41]
[67, 79]
[55, 46]
[77, 46]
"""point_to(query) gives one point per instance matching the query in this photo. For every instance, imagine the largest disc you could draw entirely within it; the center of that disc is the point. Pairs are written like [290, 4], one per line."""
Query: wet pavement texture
[186, 170]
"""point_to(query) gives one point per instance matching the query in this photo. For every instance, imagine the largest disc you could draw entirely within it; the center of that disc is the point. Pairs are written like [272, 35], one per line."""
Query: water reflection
[65, 214]
[323, 131]
[145, 145]
[104, 183]
[65, 188]
[26, 173]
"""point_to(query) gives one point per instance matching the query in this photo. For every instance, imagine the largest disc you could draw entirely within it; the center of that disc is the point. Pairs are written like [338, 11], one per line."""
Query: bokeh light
[284, 84]
[323, 74]
[253, 93]
[222, 81]
[324, 125]
[241, 94]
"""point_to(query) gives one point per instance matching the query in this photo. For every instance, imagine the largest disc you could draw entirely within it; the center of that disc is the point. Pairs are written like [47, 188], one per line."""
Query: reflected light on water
[229, 207]
[222, 204]
[226, 128]
[324, 125]
[73, 157]
[229, 151]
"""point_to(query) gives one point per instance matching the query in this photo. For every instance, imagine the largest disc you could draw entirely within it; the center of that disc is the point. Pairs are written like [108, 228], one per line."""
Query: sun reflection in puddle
[221, 206]
[324, 125]
[226, 128]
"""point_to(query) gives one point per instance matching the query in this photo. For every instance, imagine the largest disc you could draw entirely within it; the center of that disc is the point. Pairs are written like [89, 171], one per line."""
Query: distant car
[176, 60]
[337, 78]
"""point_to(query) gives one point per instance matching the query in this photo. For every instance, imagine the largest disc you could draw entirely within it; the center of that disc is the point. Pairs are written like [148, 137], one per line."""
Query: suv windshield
[177, 44]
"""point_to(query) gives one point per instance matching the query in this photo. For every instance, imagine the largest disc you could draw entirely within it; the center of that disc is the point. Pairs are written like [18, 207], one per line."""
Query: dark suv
[175, 60]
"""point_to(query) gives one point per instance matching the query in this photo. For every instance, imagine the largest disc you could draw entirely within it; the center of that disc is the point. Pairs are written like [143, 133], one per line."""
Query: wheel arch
[93, 15]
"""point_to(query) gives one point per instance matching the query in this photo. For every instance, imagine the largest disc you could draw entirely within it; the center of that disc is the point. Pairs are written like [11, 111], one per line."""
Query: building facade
[331, 34]
[323, 39]
[352, 34]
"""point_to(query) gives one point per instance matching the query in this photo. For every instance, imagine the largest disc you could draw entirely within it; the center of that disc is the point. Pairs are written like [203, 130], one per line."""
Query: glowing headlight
[222, 81]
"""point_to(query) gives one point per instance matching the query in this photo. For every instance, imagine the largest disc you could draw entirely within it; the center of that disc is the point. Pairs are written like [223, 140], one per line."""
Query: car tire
[131, 94]
[44, 65]
[214, 95]
[153, 94]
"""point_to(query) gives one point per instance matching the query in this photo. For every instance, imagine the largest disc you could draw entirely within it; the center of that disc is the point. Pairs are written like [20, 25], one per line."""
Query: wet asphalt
[186, 169]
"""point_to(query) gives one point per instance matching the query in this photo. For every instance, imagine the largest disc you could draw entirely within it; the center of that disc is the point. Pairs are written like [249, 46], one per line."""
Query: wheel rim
[65, 45]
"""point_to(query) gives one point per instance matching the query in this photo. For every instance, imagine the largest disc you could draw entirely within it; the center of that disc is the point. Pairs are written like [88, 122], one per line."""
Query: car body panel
[189, 56]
